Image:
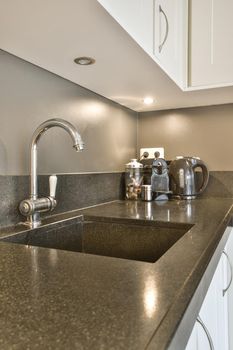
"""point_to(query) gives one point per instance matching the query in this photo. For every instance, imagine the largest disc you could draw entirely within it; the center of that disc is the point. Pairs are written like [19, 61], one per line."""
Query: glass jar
[133, 179]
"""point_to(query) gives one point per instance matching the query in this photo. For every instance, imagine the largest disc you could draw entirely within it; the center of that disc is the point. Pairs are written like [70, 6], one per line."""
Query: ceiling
[51, 33]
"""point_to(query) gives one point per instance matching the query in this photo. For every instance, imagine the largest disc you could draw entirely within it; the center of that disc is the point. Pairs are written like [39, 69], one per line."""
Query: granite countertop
[56, 299]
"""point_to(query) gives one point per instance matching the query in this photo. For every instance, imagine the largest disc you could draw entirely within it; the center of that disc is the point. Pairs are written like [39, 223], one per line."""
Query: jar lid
[133, 164]
[146, 186]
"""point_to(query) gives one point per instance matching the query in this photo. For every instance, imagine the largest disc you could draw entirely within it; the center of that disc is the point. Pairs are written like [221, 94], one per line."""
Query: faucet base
[31, 208]
[32, 224]
[33, 221]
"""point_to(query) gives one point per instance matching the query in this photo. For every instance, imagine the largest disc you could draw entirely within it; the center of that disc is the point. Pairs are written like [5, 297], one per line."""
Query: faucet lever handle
[52, 185]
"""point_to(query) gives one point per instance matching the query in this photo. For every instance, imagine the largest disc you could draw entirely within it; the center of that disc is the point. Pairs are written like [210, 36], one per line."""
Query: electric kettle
[184, 179]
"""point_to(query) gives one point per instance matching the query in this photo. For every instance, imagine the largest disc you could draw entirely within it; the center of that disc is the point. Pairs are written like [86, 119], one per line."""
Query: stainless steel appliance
[146, 193]
[185, 181]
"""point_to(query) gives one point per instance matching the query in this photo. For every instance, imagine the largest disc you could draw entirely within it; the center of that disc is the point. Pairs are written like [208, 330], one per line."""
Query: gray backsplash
[73, 191]
[220, 184]
[81, 190]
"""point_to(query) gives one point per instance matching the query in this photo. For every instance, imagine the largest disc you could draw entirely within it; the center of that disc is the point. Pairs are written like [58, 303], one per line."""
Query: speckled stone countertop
[54, 299]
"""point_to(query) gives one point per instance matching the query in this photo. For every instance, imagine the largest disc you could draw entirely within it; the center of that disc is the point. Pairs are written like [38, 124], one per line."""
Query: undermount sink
[126, 239]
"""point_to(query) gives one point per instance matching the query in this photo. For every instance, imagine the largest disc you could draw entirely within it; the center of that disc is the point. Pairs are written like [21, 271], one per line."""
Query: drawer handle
[167, 29]
[230, 266]
[199, 320]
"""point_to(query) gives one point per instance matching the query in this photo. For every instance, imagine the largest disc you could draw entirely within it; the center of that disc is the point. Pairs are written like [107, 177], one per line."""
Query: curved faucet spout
[61, 123]
[56, 122]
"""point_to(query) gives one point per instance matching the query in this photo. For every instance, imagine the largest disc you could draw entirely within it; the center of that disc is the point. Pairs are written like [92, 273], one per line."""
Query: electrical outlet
[151, 152]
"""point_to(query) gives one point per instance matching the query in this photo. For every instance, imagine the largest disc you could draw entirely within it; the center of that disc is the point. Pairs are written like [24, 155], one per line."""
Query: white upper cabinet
[157, 26]
[136, 17]
[191, 40]
[211, 43]
[169, 42]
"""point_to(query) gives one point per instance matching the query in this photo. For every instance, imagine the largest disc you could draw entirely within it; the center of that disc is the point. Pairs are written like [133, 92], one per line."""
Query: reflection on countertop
[62, 299]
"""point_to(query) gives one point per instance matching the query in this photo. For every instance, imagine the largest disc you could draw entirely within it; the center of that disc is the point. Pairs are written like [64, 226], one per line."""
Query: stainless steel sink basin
[127, 239]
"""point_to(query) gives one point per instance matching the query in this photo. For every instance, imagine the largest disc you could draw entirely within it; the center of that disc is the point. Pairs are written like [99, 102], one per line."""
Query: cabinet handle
[199, 320]
[229, 263]
[167, 29]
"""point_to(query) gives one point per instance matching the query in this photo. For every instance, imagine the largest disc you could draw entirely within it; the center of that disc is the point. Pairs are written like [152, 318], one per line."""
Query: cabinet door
[229, 292]
[193, 340]
[223, 340]
[160, 27]
[214, 313]
[136, 17]
[170, 37]
[206, 328]
[209, 314]
[211, 43]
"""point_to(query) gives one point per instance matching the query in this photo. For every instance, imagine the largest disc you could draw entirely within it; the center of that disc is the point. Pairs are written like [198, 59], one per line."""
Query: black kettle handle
[205, 172]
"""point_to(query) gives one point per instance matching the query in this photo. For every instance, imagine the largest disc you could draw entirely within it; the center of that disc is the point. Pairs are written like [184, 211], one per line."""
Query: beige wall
[29, 95]
[206, 132]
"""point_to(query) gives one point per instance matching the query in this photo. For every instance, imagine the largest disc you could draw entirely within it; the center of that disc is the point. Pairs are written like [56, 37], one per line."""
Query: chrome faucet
[32, 207]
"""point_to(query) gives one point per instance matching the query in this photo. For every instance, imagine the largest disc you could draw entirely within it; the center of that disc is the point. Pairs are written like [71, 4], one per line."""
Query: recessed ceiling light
[84, 61]
[148, 100]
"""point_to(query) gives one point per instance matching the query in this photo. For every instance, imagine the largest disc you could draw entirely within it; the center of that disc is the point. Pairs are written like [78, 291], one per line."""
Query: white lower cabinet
[213, 312]
[214, 325]
[193, 339]
[229, 292]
